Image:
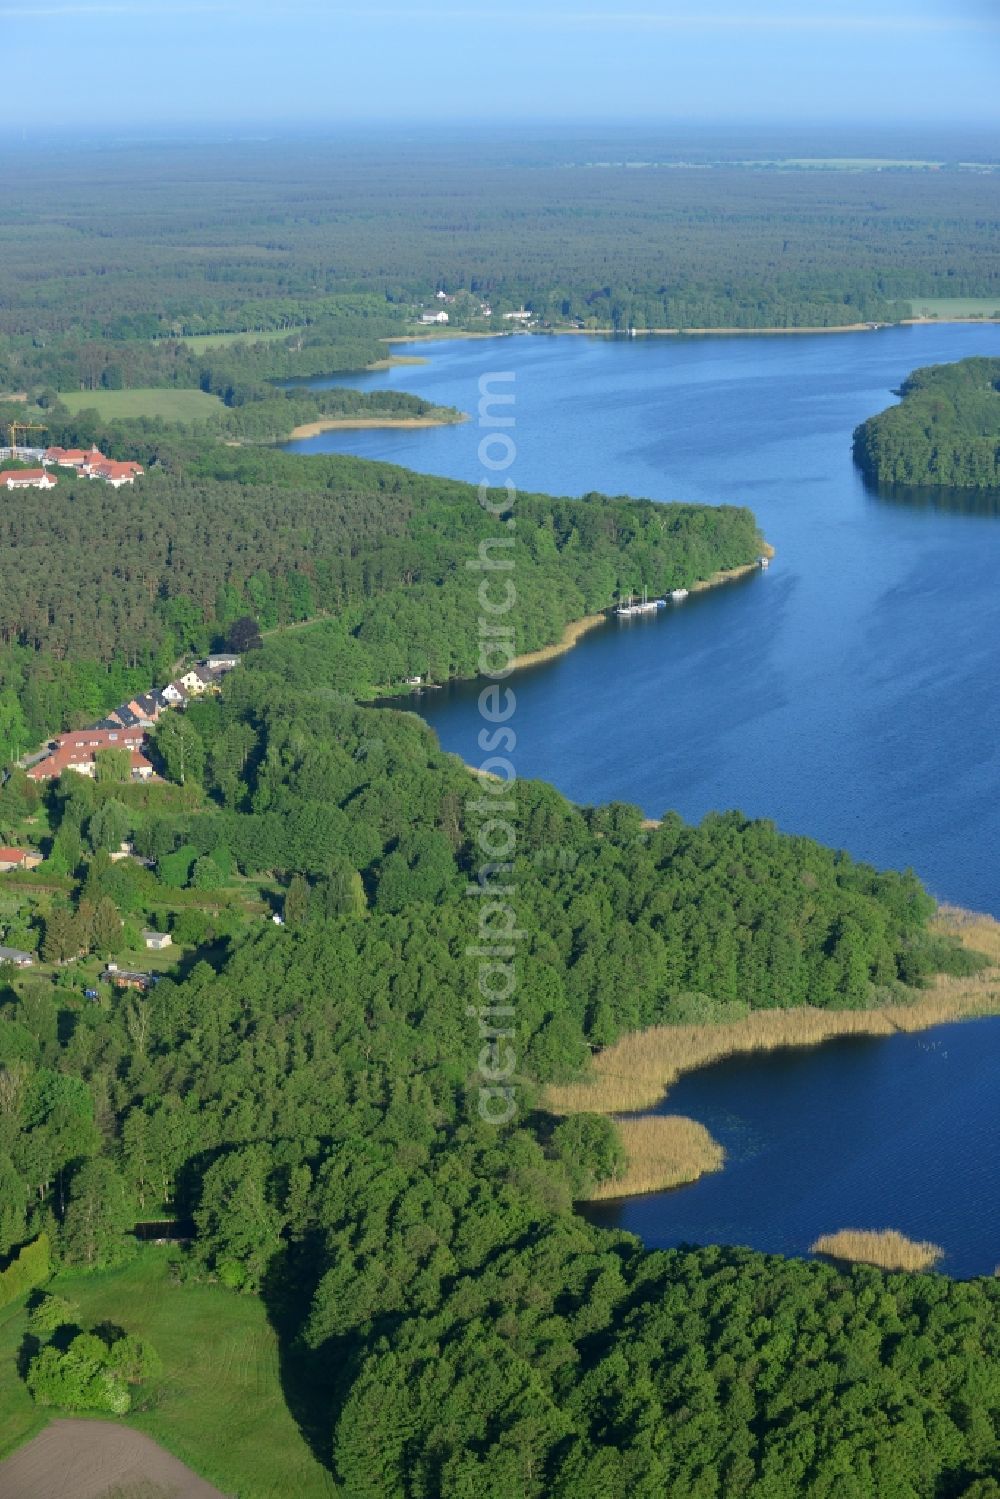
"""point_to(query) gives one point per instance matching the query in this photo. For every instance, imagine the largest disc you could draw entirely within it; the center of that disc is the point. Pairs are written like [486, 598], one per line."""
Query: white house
[31, 478]
[17, 957]
[520, 316]
[434, 317]
[156, 940]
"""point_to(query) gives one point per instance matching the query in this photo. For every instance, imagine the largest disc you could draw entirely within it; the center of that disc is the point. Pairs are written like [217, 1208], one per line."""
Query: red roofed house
[76, 751]
[18, 858]
[27, 478]
[115, 474]
[71, 457]
[94, 465]
[78, 458]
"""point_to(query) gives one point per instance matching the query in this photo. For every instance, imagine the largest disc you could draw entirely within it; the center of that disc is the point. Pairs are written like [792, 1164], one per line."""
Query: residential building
[93, 464]
[125, 716]
[27, 478]
[433, 317]
[148, 706]
[196, 681]
[77, 752]
[17, 957]
[520, 316]
[78, 458]
[125, 980]
[222, 661]
[12, 858]
[156, 940]
[115, 474]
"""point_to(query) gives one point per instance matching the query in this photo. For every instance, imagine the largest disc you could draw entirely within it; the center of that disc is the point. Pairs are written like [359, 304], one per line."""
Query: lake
[850, 692]
[899, 1132]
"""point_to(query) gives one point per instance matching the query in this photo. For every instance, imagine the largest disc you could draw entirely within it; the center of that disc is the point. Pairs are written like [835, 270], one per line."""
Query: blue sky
[132, 62]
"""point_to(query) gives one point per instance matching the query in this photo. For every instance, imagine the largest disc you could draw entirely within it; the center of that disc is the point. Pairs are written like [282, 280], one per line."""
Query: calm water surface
[849, 693]
[900, 1133]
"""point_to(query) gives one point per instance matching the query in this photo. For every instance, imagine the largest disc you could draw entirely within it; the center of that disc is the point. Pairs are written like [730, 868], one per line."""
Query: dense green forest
[276, 235]
[306, 1096]
[105, 588]
[945, 431]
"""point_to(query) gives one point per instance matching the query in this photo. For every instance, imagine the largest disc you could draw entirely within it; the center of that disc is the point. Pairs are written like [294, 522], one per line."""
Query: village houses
[92, 464]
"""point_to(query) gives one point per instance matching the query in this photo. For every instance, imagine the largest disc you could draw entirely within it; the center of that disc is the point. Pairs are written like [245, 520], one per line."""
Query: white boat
[645, 605]
[763, 561]
[678, 595]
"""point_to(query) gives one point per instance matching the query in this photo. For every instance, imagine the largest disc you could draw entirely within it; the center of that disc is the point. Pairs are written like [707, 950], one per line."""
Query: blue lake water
[849, 693]
[900, 1132]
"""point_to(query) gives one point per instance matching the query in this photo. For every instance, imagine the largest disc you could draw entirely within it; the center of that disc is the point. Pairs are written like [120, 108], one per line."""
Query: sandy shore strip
[412, 338]
[730, 574]
[713, 332]
[577, 628]
[360, 423]
[93, 1459]
[572, 633]
[391, 361]
[947, 322]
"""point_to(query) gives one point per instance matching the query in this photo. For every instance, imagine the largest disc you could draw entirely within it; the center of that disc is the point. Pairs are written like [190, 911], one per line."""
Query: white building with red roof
[77, 751]
[27, 478]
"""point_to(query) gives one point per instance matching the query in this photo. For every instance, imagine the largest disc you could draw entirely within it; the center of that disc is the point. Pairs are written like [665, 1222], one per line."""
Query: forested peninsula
[945, 430]
[378, 552]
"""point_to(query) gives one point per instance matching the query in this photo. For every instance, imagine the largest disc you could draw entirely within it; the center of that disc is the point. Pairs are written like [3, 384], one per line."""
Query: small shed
[156, 940]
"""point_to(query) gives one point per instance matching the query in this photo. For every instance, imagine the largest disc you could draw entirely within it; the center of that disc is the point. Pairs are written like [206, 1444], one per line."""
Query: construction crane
[16, 427]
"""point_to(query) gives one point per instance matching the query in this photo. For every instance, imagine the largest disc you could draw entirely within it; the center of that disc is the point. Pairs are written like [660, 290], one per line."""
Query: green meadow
[219, 1407]
[956, 307]
[168, 404]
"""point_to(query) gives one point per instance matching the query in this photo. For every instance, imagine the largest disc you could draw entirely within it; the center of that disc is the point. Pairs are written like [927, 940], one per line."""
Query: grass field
[216, 340]
[220, 1406]
[956, 307]
[171, 405]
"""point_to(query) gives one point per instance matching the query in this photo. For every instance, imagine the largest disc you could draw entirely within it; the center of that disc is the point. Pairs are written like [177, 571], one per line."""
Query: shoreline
[721, 332]
[716, 332]
[573, 632]
[636, 1073]
[393, 361]
[577, 628]
[362, 423]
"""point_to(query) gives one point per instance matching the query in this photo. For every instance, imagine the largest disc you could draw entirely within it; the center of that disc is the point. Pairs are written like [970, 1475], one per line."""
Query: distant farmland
[169, 405]
[956, 307]
[215, 340]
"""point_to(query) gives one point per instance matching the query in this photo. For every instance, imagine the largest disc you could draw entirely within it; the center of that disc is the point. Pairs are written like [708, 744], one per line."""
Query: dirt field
[98, 1460]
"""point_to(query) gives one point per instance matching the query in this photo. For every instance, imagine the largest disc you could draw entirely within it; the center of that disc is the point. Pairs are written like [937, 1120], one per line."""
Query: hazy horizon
[243, 64]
